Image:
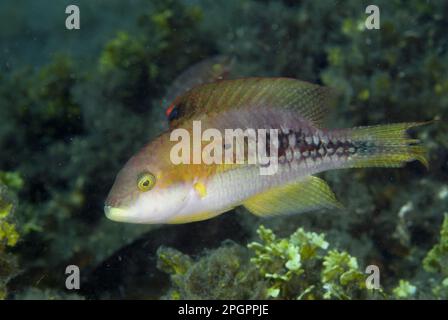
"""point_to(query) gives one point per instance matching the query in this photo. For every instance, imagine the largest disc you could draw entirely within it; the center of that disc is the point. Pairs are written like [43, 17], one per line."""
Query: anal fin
[312, 193]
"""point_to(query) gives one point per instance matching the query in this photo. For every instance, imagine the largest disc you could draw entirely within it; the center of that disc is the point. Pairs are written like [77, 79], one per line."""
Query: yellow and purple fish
[152, 189]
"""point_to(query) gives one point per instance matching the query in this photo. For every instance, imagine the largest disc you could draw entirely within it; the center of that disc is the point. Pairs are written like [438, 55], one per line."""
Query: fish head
[146, 189]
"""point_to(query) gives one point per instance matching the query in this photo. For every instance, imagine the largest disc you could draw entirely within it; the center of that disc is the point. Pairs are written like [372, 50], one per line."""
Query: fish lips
[116, 214]
[122, 215]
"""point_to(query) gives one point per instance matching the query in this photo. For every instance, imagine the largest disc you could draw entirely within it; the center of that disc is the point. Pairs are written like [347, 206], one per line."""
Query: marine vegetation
[9, 184]
[75, 105]
[224, 273]
[436, 262]
[302, 266]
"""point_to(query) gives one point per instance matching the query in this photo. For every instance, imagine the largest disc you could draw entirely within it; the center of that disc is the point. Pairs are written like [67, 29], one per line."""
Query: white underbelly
[232, 188]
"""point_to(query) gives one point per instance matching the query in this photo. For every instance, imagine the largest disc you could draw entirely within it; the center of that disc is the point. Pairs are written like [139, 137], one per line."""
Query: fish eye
[146, 181]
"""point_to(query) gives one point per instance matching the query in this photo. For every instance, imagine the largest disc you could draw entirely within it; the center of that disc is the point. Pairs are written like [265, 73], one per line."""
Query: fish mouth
[116, 214]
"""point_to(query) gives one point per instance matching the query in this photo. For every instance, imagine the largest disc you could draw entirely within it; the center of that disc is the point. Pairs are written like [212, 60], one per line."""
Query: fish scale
[315, 146]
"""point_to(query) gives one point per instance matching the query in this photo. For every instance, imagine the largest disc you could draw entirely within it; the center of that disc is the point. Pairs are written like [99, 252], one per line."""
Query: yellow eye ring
[146, 181]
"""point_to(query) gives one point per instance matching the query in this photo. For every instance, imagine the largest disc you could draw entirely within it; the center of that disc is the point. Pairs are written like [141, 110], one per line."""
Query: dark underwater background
[76, 104]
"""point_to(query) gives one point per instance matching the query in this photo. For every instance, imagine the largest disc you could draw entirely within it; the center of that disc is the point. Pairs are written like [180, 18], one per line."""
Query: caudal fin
[386, 146]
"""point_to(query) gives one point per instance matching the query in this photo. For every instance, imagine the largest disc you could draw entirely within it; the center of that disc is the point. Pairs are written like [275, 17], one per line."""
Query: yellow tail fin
[386, 146]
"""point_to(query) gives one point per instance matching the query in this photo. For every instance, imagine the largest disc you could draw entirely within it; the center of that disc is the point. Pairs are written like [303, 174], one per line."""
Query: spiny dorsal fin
[206, 71]
[310, 194]
[306, 99]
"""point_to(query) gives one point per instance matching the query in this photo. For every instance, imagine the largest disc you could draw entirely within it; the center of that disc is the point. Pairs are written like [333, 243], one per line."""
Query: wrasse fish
[151, 189]
[209, 70]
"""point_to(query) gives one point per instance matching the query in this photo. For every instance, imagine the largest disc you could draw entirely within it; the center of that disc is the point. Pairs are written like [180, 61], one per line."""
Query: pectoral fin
[310, 194]
[200, 189]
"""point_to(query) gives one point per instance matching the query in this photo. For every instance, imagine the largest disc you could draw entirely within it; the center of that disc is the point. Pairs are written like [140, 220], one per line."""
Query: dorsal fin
[306, 99]
[209, 70]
